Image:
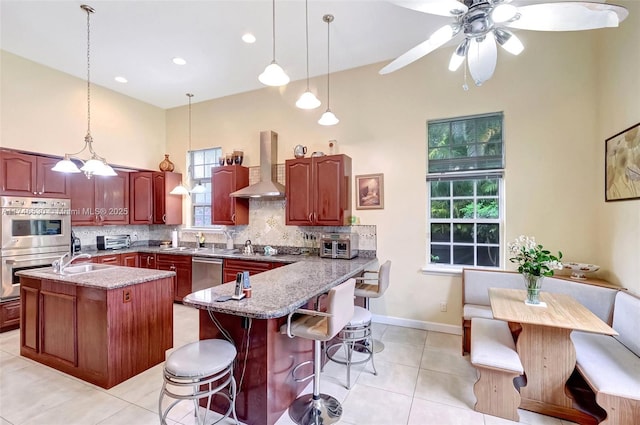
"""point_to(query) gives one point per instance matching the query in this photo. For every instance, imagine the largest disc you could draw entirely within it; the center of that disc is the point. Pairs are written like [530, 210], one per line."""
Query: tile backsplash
[266, 227]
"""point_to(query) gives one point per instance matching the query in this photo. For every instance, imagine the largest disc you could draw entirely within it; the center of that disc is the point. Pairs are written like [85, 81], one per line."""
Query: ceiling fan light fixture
[509, 41]
[273, 75]
[504, 12]
[459, 55]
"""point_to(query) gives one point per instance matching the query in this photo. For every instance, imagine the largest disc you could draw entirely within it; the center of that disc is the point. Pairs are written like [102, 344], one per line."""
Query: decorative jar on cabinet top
[166, 164]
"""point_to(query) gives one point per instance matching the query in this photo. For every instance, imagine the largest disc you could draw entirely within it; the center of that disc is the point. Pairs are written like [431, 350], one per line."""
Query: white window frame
[477, 176]
[206, 181]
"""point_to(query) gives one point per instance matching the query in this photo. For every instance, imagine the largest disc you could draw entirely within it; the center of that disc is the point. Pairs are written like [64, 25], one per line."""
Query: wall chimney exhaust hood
[268, 187]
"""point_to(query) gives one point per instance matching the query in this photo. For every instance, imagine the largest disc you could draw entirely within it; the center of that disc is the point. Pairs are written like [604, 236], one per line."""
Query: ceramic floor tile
[373, 406]
[392, 377]
[445, 388]
[10, 342]
[447, 362]
[444, 342]
[4, 422]
[133, 415]
[405, 354]
[429, 412]
[404, 336]
[378, 330]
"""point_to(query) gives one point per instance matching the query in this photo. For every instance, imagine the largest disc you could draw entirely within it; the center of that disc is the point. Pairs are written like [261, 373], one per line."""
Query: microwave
[339, 245]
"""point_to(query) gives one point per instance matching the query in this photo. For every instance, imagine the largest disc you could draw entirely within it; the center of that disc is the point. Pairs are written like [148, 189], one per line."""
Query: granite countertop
[278, 292]
[106, 277]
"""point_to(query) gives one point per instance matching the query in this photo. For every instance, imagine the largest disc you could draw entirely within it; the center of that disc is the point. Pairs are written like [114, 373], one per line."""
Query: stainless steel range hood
[268, 187]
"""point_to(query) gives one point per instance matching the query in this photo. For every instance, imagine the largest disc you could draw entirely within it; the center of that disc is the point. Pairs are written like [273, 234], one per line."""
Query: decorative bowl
[579, 269]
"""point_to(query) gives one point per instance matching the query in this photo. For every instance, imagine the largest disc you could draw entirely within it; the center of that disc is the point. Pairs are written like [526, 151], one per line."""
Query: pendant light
[307, 100]
[273, 74]
[328, 118]
[95, 165]
[181, 189]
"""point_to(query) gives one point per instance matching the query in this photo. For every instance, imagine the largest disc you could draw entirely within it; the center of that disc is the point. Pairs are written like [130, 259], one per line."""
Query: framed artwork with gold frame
[622, 165]
[370, 191]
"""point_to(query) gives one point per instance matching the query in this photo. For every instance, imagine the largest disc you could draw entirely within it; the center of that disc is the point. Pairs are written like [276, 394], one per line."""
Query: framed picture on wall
[370, 192]
[622, 165]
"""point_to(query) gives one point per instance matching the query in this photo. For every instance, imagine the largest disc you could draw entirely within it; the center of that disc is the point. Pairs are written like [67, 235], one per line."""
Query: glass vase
[533, 284]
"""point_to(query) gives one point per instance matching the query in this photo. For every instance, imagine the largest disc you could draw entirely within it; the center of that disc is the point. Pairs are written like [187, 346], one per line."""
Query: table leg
[548, 357]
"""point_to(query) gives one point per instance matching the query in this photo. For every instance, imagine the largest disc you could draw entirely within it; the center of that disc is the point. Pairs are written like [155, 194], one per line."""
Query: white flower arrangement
[533, 259]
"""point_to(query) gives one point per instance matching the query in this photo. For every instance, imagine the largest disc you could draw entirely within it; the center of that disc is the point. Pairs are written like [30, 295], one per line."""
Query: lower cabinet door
[59, 336]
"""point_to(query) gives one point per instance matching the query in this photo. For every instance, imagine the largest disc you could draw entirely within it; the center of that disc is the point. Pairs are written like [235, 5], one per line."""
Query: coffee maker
[75, 243]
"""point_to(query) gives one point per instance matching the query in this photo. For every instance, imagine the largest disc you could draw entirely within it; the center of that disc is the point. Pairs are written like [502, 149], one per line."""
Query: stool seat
[201, 358]
[360, 317]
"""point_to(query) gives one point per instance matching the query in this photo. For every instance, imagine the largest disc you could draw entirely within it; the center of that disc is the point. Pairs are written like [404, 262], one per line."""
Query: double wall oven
[33, 232]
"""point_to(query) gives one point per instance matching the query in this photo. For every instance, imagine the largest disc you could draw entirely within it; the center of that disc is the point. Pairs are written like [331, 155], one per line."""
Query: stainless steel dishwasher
[205, 273]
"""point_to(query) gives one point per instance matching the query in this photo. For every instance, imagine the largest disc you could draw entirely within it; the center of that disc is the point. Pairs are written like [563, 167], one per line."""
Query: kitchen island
[265, 356]
[100, 323]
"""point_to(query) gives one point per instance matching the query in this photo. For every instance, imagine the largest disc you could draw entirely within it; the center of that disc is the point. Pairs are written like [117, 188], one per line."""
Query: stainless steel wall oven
[33, 233]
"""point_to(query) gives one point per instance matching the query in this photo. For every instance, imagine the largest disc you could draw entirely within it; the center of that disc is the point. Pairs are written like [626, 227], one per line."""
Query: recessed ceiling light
[121, 79]
[249, 38]
[179, 61]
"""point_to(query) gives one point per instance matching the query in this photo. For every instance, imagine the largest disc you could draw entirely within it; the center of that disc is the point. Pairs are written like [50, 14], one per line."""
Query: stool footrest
[295, 369]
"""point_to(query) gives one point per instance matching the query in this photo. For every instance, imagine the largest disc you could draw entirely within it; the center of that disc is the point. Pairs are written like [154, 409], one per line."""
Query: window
[464, 185]
[200, 173]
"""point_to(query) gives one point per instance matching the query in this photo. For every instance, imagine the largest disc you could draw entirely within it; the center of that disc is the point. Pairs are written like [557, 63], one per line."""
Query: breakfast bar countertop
[278, 292]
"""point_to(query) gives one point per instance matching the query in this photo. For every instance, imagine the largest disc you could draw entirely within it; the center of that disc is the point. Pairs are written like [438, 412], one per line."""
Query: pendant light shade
[328, 118]
[307, 100]
[273, 74]
[181, 189]
[95, 165]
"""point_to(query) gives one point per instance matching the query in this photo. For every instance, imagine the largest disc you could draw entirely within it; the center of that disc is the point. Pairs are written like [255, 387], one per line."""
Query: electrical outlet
[443, 306]
[126, 295]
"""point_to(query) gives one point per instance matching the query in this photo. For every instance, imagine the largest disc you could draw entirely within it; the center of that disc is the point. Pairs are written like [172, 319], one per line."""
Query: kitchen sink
[84, 268]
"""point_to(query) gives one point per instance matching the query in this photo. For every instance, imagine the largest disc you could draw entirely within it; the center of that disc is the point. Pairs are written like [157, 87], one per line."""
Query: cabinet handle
[233, 217]
[172, 268]
[164, 218]
[310, 217]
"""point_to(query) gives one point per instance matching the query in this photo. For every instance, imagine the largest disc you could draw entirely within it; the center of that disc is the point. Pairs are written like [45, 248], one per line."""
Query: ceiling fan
[483, 23]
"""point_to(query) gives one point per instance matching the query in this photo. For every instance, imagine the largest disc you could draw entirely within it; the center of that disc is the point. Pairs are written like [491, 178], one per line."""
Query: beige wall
[44, 110]
[549, 98]
[617, 224]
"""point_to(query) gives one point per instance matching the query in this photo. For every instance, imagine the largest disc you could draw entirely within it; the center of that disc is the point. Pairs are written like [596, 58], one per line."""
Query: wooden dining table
[545, 347]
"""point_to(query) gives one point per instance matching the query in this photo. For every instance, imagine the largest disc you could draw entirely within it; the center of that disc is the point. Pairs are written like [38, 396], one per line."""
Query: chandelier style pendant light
[485, 23]
[328, 118]
[95, 165]
[307, 100]
[181, 189]
[273, 74]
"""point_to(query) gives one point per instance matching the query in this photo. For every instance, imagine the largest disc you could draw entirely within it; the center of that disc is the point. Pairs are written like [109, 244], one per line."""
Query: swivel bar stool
[206, 368]
[317, 408]
[371, 290]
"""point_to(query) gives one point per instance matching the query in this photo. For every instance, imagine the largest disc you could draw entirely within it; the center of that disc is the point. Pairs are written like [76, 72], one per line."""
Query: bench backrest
[626, 320]
[598, 299]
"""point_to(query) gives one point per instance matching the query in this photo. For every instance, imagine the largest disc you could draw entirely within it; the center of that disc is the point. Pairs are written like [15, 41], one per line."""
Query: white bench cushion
[477, 284]
[626, 319]
[598, 299]
[475, 310]
[492, 345]
[607, 364]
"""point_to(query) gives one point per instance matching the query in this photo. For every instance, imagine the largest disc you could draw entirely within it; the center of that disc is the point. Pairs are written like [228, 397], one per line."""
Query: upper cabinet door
[112, 198]
[82, 192]
[224, 208]
[331, 188]
[17, 174]
[171, 204]
[299, 192]
[48, 182]
[141, 198]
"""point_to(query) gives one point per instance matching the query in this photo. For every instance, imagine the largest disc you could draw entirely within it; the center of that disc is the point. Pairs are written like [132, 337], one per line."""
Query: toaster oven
[339, 245]
[113, 242]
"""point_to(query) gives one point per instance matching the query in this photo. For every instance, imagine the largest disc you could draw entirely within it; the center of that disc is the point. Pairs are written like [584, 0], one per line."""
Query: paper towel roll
[174, 239]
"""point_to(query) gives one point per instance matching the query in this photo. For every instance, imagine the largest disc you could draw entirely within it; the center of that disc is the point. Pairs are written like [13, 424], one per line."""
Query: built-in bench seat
[597, 297]
[493, 353]
[610, 365]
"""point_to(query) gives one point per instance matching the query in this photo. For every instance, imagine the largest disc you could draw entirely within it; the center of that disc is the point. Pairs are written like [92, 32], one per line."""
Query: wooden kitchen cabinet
[225, 209]
[24, 174]
[146, 260]
[113, 259]
[181, 264]
[318, 191]
[129, 259]
[9, 315]
[232, 266]
[99, 200]
[141, 197]
[167, 208]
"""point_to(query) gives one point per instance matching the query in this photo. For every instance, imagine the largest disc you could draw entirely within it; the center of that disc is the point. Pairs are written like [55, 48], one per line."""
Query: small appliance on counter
[76, 246]
[113, 242]
[339, 245]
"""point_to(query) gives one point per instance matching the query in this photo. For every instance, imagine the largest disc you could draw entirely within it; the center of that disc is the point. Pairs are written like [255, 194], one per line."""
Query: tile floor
[422, 380]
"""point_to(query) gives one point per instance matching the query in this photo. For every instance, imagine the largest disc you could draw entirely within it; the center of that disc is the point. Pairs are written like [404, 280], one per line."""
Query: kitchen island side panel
[267, 389]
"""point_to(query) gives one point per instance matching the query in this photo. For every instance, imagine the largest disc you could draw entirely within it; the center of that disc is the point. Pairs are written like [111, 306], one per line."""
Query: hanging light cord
[306, 14]
[328, 19]
[190, 96]
[273, 13]
[89, 11]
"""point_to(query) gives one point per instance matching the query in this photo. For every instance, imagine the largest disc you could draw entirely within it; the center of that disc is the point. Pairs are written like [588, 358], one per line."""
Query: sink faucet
[59, 265]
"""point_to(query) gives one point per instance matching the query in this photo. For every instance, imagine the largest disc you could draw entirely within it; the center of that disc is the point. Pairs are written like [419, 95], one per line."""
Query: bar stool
[355, 336]
[377, 290]
[206, 368]
[317, 408]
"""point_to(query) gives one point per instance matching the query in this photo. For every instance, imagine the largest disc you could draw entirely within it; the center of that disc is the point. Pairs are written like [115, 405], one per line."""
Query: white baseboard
[417, 324]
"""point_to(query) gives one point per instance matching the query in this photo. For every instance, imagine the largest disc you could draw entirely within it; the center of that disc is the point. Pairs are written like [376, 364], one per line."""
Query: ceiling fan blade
[435, 7]
[437, 39]
[482, 58]
[569, 16]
